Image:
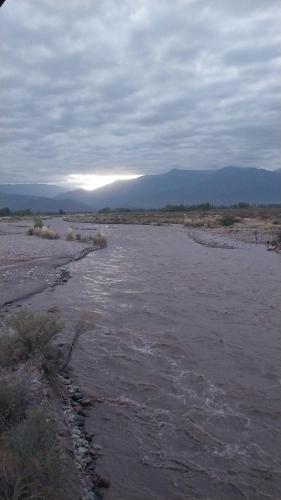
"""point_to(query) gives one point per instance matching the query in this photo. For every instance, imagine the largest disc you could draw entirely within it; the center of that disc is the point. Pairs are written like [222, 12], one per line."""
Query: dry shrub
[47, 233]
[26, 336]
[42, 232]
[69, 235]
[100, 240]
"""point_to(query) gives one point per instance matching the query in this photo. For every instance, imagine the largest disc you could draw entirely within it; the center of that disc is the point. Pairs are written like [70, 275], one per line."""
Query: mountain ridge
[226, 186]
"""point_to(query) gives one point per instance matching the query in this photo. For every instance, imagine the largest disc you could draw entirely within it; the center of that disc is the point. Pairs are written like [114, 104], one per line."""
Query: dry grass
[14, 401]
[29, 459]
[70, 236]
[30, 465]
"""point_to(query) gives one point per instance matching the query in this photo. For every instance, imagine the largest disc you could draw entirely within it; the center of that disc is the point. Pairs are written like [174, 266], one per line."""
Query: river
[183, 346]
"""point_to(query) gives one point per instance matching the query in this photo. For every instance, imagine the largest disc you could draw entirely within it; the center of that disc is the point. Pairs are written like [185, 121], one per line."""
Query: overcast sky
[137, 86]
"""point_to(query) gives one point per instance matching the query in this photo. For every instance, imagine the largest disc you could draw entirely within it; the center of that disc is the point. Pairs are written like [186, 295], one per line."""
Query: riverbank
[45, 450]
[29, 264]
[52, 402]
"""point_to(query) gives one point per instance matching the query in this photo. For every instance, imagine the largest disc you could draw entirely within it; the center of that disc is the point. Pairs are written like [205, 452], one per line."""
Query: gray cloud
[137, 87]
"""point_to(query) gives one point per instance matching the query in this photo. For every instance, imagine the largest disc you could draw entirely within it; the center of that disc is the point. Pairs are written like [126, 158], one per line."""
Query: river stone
[86, 402]
[82, 451]
[79, 421]
[77, 396]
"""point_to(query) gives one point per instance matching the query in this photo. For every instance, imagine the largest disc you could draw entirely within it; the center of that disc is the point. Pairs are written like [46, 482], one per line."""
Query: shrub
[29, 456]
[69, 235]
[228, 220]
[100, 240]
[46, 232]
[27, 336]
[42, 232]
[38, 222]
[13, 401]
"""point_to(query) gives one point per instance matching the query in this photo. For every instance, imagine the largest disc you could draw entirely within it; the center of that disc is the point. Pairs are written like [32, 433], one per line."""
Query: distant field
[264, 216]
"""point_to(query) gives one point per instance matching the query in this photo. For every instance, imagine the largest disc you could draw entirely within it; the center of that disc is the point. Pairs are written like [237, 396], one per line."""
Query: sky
[107, 87]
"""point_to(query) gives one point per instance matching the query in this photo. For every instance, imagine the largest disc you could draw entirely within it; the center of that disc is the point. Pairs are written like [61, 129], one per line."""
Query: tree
[5, 211]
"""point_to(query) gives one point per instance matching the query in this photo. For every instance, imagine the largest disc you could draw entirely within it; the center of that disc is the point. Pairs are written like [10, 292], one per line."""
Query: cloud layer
[105, 87]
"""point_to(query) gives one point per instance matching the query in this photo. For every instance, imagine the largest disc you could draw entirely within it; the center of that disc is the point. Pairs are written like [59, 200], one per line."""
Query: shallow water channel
[185, 353]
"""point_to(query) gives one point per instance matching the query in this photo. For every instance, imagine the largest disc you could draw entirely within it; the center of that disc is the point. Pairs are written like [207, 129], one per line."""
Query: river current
[182, 346]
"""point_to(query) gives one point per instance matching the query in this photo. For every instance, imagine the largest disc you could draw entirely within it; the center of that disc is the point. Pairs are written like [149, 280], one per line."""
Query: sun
[92, 181]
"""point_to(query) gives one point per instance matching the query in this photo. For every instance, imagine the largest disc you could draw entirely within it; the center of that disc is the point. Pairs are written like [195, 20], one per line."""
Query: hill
[40, 203]
[46, 190]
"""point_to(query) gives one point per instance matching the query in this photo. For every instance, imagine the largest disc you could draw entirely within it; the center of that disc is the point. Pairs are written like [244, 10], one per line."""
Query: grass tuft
[14, 401]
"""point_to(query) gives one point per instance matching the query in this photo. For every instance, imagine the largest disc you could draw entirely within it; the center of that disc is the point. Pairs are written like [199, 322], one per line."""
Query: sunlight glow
[91, 181]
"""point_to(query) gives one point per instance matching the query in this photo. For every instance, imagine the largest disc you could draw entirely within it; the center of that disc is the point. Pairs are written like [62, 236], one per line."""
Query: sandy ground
[250, 231]
[29, 264]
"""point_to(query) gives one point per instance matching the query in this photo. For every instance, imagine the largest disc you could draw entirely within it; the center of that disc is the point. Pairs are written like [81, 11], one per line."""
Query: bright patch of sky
[91, 181]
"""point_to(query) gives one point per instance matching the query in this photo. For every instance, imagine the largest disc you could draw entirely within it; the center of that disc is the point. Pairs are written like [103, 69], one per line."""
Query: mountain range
[224, 186]
[219, 187]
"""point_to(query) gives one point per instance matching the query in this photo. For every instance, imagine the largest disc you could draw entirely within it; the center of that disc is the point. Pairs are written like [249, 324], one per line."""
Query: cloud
[104, 87]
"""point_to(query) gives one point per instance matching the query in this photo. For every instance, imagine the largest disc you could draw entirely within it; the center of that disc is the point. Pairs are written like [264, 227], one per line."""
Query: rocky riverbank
[38, 398]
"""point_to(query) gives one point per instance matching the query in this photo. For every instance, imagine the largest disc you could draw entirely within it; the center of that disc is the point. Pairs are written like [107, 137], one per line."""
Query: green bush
[27, 336]
[228, 220]
[29, 457]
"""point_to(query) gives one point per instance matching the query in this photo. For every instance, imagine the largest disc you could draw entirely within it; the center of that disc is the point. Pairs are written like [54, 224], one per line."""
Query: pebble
[82, 451]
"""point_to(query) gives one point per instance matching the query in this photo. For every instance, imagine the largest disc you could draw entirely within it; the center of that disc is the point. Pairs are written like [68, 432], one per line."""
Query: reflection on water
[186, 354]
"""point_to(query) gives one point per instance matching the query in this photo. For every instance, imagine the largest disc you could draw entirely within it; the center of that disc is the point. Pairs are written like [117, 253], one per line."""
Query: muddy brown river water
[185, 354]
